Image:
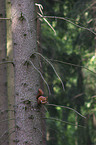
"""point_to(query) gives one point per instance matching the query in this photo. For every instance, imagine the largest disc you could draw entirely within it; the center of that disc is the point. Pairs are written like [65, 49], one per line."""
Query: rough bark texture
[27, 80]
[3, 78]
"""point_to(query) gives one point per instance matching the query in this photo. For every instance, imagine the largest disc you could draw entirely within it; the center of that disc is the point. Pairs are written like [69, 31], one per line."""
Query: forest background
[72, 51]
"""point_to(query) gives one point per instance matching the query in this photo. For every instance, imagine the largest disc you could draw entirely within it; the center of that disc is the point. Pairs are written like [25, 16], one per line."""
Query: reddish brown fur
[40, 93]
[41, 99]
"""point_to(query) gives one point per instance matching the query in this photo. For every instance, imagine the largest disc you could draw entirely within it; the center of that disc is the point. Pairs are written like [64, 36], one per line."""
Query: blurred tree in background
[72, 51]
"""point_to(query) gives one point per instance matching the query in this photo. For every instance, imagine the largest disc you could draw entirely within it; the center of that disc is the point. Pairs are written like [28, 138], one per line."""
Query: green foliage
[75, 48]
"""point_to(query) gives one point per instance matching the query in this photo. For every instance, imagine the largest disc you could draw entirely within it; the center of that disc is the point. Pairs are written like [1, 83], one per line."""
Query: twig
[62, 18]
[7, 62]
[55, 119]
[79, 95]
[93, 97]
[41, 15]
[41, 77]
[66, 108]
[88, 7]
[5, 19]
[40, 7]
[51, 66]
[67, 63]
[47, 22]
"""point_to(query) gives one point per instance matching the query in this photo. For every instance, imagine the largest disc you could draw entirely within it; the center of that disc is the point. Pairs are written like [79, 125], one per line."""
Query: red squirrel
[41, 99]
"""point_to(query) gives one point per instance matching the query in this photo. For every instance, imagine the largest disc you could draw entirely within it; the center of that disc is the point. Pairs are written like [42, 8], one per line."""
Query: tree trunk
[10, 77]
[3, 78]
[27, 80]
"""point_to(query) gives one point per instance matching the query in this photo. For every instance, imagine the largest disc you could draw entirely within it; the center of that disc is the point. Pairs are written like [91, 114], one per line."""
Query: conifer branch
[5, 19]
[47, 22]
[5, 62]
[62, 18]
[52, 67]
[56, 119]
[41, 76]
[75, 65]
[54, 105]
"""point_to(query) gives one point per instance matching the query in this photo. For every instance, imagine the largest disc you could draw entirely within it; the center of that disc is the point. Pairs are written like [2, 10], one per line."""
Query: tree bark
[27, 80]
[10, 77]
[3, 78]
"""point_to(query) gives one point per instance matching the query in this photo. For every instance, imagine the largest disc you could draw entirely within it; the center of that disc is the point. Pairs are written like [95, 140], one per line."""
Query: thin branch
[66, 108]
[41, 76]
[5, 19]
[55, 119]
[47, 22]
[5, 62]
[90, 6]
[67, 63]
[79, 95]
[52, 67]
[93, 97]
[40, 7]
[41, 15]
[62, 18]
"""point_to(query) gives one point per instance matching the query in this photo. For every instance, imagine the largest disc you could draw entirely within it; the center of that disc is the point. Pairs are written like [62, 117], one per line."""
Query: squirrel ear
[41, 92]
